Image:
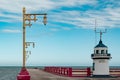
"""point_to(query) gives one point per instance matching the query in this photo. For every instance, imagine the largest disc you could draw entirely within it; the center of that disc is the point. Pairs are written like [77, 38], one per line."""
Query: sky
[68, 39]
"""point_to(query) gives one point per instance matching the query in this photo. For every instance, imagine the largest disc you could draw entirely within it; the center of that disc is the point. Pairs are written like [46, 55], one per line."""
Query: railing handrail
[67, 71]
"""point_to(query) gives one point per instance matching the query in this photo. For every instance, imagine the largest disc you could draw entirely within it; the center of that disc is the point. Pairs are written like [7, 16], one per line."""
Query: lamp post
[24, 74]
[29, 18]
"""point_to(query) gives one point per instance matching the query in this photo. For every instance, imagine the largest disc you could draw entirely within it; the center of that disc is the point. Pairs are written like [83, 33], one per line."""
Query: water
[10, 73]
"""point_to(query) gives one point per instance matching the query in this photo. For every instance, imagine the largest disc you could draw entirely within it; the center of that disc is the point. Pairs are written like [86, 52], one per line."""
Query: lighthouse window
[97, 51]
[102, 51]
[106, 51]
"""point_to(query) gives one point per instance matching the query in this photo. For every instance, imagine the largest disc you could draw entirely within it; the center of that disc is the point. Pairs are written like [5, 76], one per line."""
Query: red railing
[81, 72]
[115, 72]
[59, 70]
[67, 71]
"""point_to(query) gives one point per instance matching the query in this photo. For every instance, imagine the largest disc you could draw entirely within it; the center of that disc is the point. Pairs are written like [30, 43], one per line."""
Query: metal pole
[24, 33]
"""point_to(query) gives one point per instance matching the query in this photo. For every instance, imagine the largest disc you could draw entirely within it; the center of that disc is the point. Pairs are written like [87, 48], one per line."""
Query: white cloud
[11, 11]
[11, 31]
[71, 3]
[106, 17]
[15, 6]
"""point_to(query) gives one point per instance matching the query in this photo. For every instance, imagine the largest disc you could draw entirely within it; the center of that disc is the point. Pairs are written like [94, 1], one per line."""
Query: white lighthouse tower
[101, 59]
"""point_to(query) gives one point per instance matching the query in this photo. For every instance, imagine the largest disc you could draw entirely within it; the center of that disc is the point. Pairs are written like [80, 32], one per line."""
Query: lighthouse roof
[100, 44]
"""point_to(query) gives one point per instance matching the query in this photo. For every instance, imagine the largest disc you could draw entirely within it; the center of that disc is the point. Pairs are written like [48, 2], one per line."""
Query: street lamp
[27, 18]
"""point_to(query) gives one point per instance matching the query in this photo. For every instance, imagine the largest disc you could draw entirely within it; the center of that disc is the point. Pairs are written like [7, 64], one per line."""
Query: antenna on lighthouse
[95, 25]
[100, 32]
[95, 31]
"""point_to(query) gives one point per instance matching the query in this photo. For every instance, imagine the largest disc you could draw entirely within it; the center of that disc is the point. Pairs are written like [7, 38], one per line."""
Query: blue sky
[67, 39]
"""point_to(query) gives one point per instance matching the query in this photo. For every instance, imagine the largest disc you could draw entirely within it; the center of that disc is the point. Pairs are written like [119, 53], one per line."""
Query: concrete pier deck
[37, 74]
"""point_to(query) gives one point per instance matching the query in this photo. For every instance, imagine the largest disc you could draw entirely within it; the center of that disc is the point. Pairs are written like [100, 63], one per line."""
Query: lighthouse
[101, 59]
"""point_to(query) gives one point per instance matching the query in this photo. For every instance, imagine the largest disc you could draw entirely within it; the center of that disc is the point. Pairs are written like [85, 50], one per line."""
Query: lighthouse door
[93, 68]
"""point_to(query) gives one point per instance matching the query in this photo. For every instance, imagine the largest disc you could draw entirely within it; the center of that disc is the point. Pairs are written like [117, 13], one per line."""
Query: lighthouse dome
[100, 45]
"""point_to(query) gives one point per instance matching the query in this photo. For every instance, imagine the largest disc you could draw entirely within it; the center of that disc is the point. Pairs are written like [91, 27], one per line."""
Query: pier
[38, 74]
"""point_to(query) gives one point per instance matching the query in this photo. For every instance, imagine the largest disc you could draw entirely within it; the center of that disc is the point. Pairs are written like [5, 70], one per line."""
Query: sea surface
[10, 73]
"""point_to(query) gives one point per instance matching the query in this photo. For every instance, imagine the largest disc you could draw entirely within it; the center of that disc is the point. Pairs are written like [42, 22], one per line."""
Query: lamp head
[45, 19]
